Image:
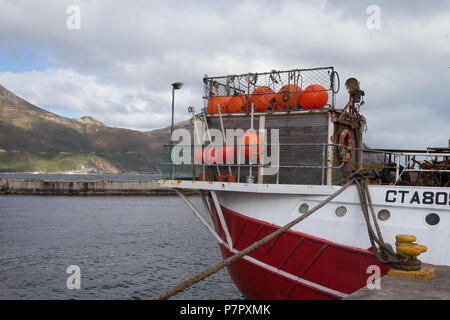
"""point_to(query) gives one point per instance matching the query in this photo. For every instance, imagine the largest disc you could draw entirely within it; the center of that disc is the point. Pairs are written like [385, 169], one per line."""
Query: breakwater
[82, 187]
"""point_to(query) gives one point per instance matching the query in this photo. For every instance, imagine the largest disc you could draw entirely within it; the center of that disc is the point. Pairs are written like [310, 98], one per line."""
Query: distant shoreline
[78, 172]
[89, 176]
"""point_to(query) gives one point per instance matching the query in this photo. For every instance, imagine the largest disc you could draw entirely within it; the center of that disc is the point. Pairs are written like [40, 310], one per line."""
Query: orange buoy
[214, 155]
[238, 103]
[198, 155]
[219, 155]
[226, 177]
[251, 145]
[313, 97]
[263, 99]
[216, 100]
[222, 177]
[200, 176]
[228, 153]
[287, 97]
[231, 178]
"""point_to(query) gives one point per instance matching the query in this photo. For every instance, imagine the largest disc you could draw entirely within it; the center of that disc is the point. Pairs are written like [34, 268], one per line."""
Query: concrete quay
[79, 187]
[399, 288]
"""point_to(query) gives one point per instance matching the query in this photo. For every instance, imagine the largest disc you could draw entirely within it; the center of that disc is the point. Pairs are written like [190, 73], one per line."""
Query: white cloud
[119, 66]
[134, 107]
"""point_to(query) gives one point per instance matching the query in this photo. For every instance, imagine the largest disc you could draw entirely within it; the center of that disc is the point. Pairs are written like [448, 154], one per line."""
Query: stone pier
[80, 187]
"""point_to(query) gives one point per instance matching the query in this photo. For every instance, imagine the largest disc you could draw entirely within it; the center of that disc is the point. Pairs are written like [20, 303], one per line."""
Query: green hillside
[35, 140]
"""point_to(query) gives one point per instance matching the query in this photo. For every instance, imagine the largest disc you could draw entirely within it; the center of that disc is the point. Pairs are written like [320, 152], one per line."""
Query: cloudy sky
[118, 65]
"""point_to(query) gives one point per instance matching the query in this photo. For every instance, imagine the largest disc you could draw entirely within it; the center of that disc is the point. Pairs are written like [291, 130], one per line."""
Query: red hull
[294, 265]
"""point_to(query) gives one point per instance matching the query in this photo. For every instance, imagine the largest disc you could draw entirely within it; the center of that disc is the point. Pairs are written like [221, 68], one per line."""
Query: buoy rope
[384, 253]
[252, 78]
[229, 80]
[206, 273]
[272, 76]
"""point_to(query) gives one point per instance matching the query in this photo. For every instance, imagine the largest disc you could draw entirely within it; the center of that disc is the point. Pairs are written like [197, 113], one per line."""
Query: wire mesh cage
[177, 171]
[297, 89]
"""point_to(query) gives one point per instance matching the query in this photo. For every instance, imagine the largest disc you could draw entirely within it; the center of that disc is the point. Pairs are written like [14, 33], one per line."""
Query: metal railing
[309, 164]
[285, 160]
[410, 167]
[426, 166]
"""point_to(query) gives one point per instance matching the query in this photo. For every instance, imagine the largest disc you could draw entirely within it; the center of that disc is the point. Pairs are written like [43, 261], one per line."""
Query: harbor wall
[79, 187]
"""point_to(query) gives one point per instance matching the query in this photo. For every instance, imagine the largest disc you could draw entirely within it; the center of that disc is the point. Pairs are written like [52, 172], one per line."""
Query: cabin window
[432, 219]
[303, 208]
[384, 214]
[341, 211]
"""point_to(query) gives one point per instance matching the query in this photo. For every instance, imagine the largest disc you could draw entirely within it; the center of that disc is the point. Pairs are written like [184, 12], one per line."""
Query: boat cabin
[282, 127]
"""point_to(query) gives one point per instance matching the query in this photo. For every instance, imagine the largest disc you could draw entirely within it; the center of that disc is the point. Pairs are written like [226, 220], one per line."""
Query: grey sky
[119, 66]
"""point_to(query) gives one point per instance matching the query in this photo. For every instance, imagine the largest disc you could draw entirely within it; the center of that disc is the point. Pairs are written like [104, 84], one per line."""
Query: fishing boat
[268, 147]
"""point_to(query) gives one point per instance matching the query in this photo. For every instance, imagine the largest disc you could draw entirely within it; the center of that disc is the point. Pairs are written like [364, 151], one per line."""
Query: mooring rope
[384, 252]
[206, 273]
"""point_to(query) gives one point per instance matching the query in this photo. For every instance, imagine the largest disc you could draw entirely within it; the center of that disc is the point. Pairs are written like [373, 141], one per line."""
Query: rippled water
[126, 248]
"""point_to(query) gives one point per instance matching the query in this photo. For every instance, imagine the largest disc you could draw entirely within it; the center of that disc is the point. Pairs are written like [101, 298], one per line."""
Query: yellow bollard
[410, 267]
[405, 238]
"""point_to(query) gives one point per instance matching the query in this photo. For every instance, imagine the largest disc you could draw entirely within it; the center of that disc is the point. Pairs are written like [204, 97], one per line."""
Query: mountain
[35, 140]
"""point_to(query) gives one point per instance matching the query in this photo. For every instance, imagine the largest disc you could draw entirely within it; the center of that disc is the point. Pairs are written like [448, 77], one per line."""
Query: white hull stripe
[286, 274]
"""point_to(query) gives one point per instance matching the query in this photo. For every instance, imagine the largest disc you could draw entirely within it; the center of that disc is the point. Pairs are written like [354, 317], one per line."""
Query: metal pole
[250, 177]
[262, 134]
[223, 134]
[326, 163]
[176, 85]
[209, 136]
[198, 214]
[330, 154]
[221, 218]
[171, 129]
[397, 169]
[173, 111]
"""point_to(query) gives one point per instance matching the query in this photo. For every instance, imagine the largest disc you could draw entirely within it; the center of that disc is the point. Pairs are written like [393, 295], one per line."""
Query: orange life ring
[345, 134]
